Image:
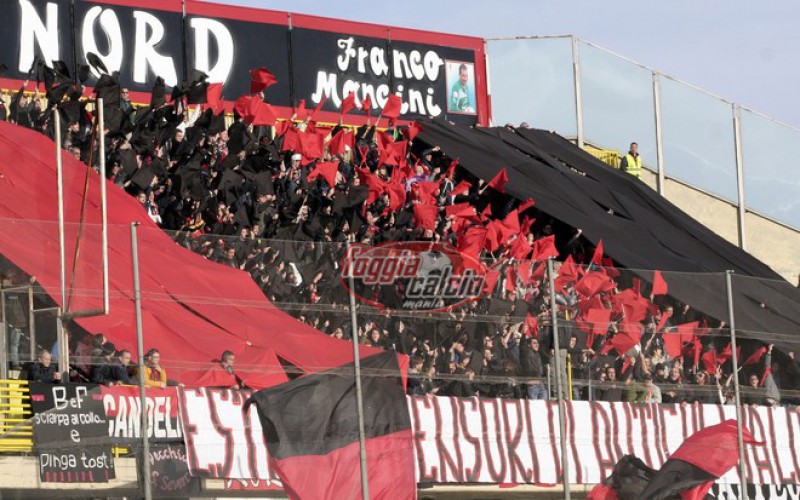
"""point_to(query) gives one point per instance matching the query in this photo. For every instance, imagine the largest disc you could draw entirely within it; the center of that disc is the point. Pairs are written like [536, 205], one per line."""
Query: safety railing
[16, 429]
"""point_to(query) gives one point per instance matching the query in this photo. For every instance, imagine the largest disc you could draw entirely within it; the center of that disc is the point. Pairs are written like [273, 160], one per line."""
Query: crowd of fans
[281, 202]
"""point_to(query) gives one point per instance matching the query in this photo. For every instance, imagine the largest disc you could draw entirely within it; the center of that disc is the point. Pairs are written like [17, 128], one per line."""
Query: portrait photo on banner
[461, 87]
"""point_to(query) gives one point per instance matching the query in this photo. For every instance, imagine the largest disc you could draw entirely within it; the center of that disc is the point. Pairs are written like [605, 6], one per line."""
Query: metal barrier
[608, 156]
[16, 428]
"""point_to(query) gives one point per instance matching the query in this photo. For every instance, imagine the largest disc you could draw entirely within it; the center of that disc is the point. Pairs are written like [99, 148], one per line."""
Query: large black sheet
[640, 229]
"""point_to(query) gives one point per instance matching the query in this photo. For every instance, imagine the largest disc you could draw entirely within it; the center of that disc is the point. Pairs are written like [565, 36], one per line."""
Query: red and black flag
[311, 428]
[626, 482]
[703, 458]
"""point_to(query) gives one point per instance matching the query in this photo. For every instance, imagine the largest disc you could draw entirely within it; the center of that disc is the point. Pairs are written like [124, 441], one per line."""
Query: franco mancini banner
[436, 75]
[476, 440]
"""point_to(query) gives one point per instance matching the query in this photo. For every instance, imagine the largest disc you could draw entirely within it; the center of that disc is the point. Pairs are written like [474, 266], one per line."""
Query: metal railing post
[137, 298]
[63, 361]
[359, 397]
[3, 339]
[559, 380]
[31, 324]
[659, 143]
[576, 75]
[741, 211]
[735, 361]
[101, 135]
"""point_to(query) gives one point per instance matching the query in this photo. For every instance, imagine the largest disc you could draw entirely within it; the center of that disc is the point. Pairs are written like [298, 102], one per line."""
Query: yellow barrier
[16, 429]
[607, 156]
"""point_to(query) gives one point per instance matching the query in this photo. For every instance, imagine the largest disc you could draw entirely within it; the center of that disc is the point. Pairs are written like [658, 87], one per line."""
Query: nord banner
[313, 58]
[504, 440]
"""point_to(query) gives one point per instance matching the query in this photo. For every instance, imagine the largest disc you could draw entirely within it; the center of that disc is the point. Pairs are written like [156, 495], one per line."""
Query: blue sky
[744, 51]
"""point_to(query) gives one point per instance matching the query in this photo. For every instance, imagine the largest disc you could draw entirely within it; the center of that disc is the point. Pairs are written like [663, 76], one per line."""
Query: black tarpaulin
[639, 228]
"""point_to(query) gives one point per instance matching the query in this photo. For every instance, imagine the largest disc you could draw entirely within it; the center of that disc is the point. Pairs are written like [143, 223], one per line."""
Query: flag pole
[559, 379]
[739, 409]
[137, 298]
[359, 396]
[63, 355]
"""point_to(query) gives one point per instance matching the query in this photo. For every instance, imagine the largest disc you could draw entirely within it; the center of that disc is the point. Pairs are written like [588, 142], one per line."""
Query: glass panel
[770, 181]
[698, 139]
[532, 81]
[617, 97]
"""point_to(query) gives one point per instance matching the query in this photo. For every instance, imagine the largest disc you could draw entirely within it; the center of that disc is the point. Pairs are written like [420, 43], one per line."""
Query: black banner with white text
[435, 74]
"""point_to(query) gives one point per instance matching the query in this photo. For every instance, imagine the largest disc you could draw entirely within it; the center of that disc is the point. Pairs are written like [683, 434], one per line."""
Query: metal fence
[684, 133]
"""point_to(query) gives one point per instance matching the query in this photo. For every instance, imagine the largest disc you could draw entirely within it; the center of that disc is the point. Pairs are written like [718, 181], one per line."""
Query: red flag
[341, 139]
[498, 183]
[710, 361]
[521, 249]
[319, 105]
[673, 344]
[629, 335]
[461, 187]
[688, 330]
[242, 105]
[599, 319]
[569, 270]
[602, 492]
[511, 279]
[487, 212]
[326, 169]
[511, 221]
[756, 357]
[659, 285]
[366, 105]
[259, 112]
[214, 96]
[459, 209]
[261, 79]
[597, 258]
[663, 321]
[591, 283]
[301, 113]
[492, 275]
[392, 107]
[310, 145]
[413, 130]
[426, 215]
[349, 103]
[544, 248]
[472, 241]
[525, 205]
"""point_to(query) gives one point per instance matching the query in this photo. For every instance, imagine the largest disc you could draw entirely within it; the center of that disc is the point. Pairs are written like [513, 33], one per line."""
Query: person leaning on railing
[43, 369]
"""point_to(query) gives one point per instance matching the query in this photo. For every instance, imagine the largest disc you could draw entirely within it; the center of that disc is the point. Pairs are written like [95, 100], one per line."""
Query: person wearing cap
[101, 359]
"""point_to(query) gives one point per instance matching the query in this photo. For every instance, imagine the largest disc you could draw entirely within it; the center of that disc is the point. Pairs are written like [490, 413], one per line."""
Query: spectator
[533, 368]
[154, 374]
[632, 162]
[227, 362]
[674, 390]
[43, 369]
[116, 371]
[612, 389]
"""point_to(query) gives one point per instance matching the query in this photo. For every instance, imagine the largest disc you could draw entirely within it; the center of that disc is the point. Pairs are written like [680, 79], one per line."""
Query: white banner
[505, 440]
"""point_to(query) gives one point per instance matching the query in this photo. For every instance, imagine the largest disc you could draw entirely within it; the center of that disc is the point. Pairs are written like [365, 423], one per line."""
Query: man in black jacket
[533, 367]
[43, 370]
[114, 372]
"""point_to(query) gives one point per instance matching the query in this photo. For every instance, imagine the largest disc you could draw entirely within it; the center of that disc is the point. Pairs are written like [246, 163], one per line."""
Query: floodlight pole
[739, 409]
[359, 396]
[137, 298]
[562, 425]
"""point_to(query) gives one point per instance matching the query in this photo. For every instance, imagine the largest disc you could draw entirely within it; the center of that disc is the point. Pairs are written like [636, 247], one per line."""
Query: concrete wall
[773, 243]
